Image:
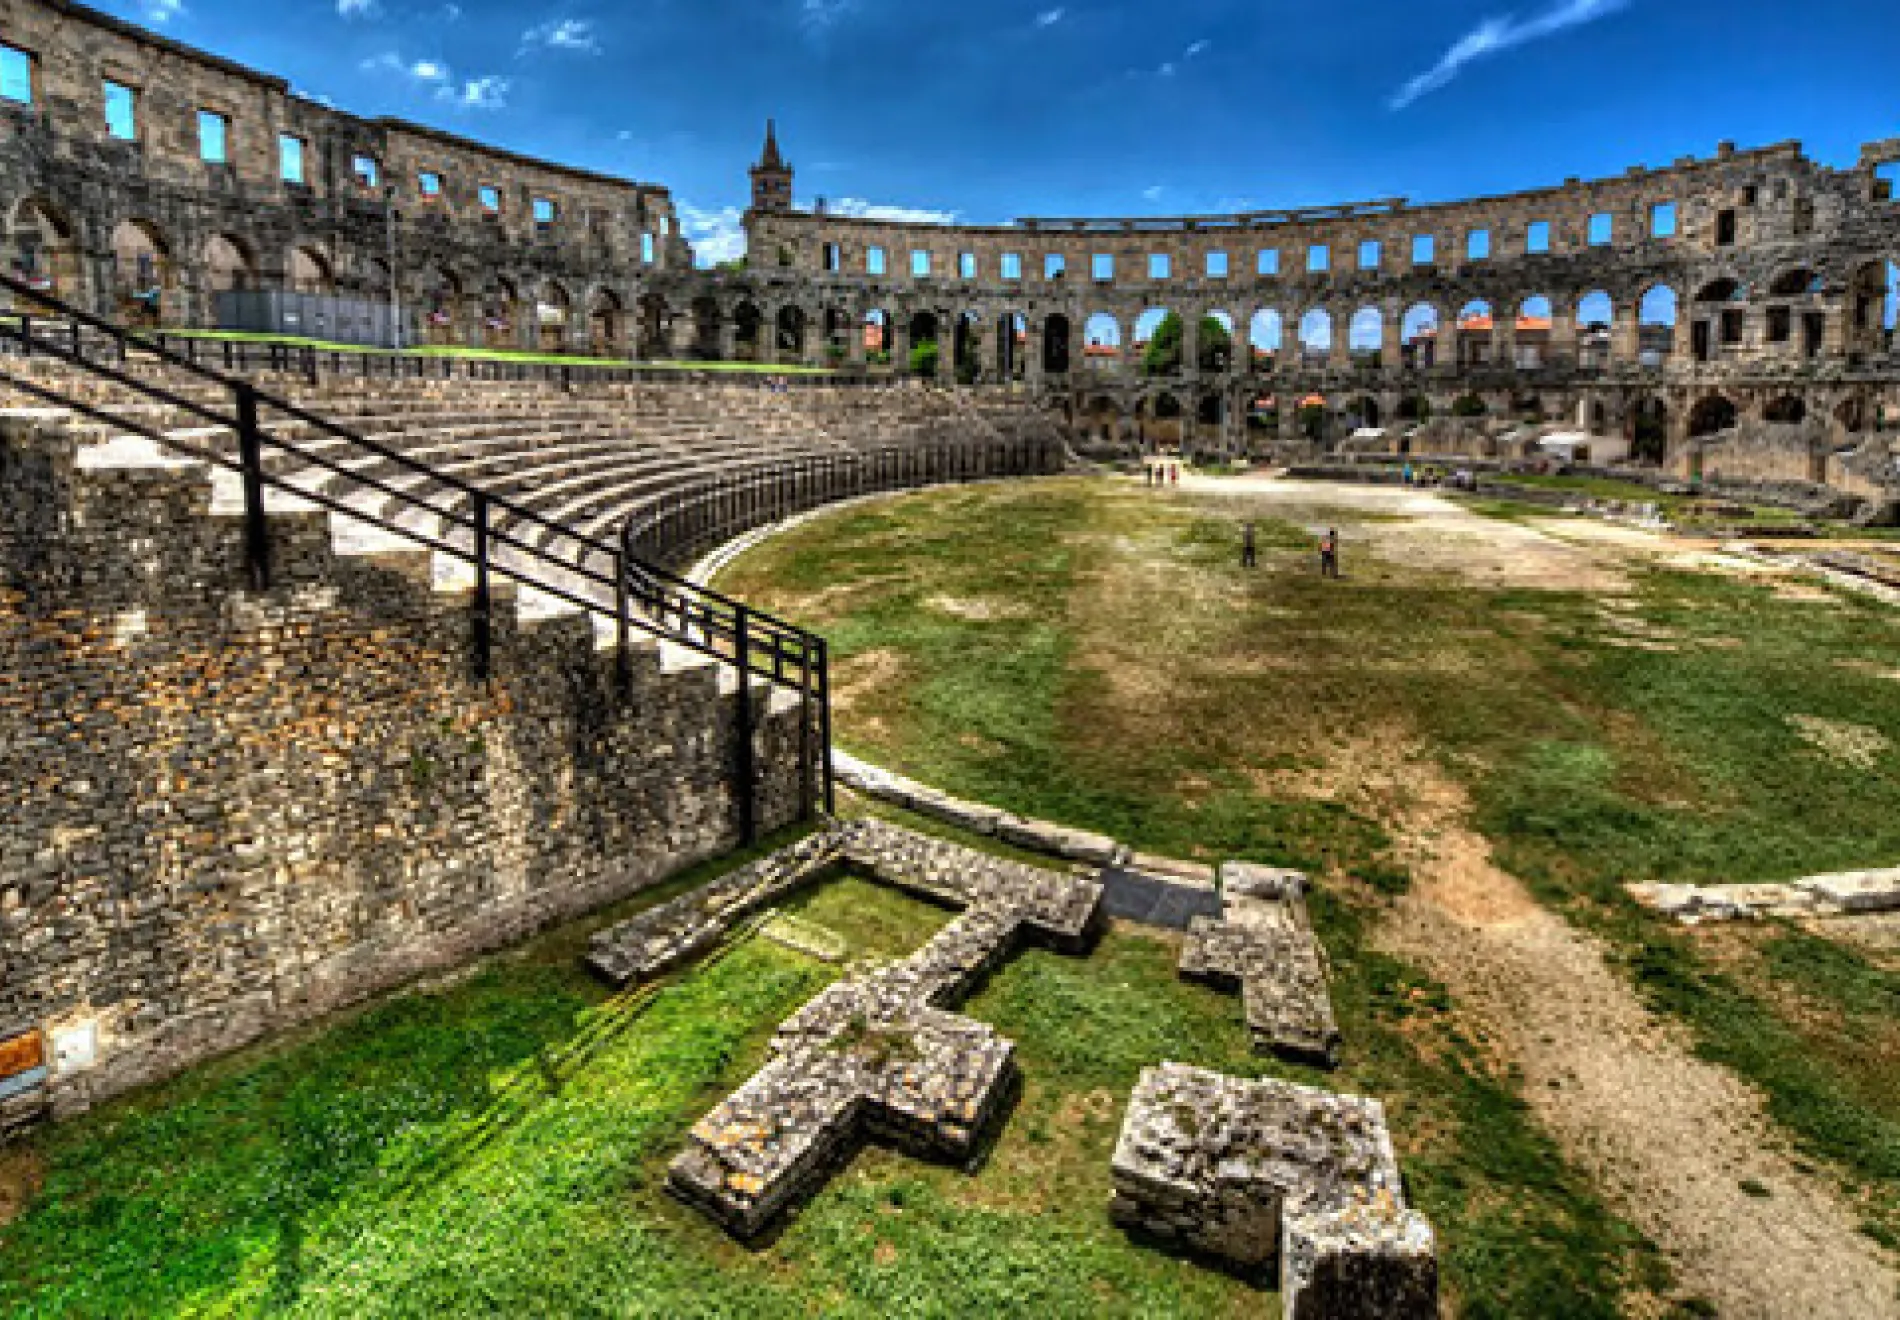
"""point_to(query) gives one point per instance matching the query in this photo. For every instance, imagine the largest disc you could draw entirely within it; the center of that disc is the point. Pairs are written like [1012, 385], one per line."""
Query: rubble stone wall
[228, 811]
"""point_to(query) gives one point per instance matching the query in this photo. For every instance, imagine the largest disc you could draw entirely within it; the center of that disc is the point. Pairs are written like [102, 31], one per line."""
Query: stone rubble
[1256, 1173]
[1845, 893]
[1263, 945]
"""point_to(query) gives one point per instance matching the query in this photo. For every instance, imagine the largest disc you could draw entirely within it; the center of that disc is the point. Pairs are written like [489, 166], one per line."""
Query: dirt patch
[22, 1173]
[978, 611]
[1870, 669]
[1850, 744]
[864, 675]
[1674, 1142]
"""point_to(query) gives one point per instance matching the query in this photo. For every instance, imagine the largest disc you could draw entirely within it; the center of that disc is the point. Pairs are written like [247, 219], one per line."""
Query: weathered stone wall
[227, 811]
[82, 204]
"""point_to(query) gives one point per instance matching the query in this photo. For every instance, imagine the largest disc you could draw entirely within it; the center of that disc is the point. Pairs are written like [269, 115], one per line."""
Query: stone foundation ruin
[1263, 946]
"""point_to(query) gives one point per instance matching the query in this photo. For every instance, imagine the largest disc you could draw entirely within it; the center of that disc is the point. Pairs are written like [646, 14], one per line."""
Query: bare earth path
[1670, 1139]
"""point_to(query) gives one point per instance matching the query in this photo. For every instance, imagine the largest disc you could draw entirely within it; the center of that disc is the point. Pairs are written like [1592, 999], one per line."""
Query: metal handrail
[645, 596]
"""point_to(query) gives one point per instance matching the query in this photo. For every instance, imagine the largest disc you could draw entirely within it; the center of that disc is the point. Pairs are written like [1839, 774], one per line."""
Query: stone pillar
[1191, 343]
[1339, 355]
[946, 347]
[1392, 339]
[1563, 335]
[1625, 333]
[768, 334]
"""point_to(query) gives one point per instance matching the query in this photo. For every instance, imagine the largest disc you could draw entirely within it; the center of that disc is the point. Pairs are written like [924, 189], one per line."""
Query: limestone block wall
[227, 811]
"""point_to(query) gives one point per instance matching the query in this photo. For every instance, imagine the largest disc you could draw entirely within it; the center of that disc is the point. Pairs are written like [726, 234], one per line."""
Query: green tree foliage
[923, 358]
[1165, 350]
[1468, 405]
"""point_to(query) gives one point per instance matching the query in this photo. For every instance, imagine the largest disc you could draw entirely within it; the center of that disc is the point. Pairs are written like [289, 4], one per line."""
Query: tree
[923, 358]
[1164, 353]
[1468, 405]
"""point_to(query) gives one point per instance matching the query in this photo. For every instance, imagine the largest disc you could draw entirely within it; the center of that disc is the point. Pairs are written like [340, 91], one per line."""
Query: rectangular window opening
[1102, 266]
[1369, 255]
[1012, 266]
[874, 261]
[1217, 265]
[1319, 257]
[429, 184]
[122, 116]
[1602, 229]
[834, 257]
[1424, 250]
[1053, 266]
[1537, 237]
[1159, 265]
[1478, 245]
[919, 263]
[544, 212]
[16, 75]
[214, 132]
[290, 158]
[1268, 262]
[491, 199]
[646, 248]
[966, 265]
[366, 170]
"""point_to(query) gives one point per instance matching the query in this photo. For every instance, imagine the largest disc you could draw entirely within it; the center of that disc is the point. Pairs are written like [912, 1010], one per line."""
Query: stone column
[1392, 338]
[1339, 356]
[946, 347]
[1625, 333]
[1191, 342]
[768, 333]
[1563, 334]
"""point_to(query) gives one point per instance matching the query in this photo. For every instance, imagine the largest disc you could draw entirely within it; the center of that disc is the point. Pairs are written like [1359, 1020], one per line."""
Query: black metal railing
[694, 517]
[270, 442]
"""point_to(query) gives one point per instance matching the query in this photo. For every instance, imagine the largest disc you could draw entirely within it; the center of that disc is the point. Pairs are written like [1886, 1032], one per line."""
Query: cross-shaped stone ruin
[1264, 946]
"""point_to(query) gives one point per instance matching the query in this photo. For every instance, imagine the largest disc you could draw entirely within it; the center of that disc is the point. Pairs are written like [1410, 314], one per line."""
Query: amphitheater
[465, 906]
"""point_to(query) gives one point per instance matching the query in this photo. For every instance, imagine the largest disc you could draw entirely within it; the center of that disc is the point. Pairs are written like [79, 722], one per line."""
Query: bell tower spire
[771, 177]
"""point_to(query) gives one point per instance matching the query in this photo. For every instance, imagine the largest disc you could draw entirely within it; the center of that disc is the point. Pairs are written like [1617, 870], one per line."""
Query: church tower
[771, 177]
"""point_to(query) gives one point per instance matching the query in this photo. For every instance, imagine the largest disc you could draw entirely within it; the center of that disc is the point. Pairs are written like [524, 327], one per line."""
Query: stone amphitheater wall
[228, 811]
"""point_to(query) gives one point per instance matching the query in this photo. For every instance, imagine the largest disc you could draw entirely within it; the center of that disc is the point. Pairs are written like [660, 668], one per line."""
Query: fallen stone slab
[1058, 841]
[1259, 1173]
[1856, 891]
[1846, 893]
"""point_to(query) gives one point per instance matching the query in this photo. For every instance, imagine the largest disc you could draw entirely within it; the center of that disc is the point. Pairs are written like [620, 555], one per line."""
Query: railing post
[251, 461]
[744, 787]
[484, 601]
[623, 657]
[824, 720]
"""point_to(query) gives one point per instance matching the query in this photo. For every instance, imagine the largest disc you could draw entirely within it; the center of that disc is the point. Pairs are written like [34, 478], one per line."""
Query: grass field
[1095, 655]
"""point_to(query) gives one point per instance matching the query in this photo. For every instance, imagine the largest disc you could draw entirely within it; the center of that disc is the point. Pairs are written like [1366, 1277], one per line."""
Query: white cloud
[427, 71]
[451, 13]
[570, 34]
[1196, 49]
[355, 8]
[716, 236]
[1050, 17]
[818, 15]
[1166, 70]
[488, 93]
[857, 208]
[1152, 193]
[1501, 34]
[160, 12]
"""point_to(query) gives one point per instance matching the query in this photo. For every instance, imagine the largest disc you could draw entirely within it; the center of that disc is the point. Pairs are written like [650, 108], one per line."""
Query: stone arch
[707, 324]
[1795, 282]
[837, 332]
[1365, 334]
[789, 328]
[308, 270]
[1420, 331]
[1103, 416]
[1217, 348]
[1596, 327]
[501, 313]
[1870, 306]
[1011, 346]
[1477, 322]
[1102, 341]
[607, 325]
[652, 320]
[1852, 414]
[966, 343]
[440, 302]
[553, 311]
[1711, 413]
[1658, 310]
[1057, 334]
[748, 331]
[1648, 429]
[228, 264]
[1785, 408]
[143, 274]
[43, 248]
[880, 337]
[1150, 359]
[1316, 336]
[1266, 335]
[1531, 331]
[1364, 410]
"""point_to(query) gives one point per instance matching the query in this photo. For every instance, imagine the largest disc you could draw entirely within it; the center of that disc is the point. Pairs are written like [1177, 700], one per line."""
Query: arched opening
[228, 265]
[1363, 412]
[373, 281]
[551, 317]
[1649, 430]
[1165, 423]
[309, 272]
[1102, 342]
[1475, 325]
[652, 318]
[1418, 337]
[1265, 335]
[877, 337]
[790, 333]
[440, 299]
[748, 332]
[837, 336]
[1596, 322]
[1852, 415]
[1715, 318]
[1530, 333]
[501, 314]
[707, 324]
[1217, 342]
[1656, 325]
[1103, 418]
[1314, 418]
[1711, 414]
[1012, 346]
[1798, 282]
[1413, 408]
[1316, 337]
[607, 326]
[1056, 334]
[1365, 336]
[1787, 409]
[1869, 309]
[142, 273]
[42, 252]
[1159, 342]
[969, 348]
[923, 345]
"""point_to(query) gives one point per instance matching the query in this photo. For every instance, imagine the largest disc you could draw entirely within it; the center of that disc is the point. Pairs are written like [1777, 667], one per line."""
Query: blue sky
[987, 110]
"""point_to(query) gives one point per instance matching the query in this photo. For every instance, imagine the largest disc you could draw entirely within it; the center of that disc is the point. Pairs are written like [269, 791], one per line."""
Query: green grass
[1125, 675]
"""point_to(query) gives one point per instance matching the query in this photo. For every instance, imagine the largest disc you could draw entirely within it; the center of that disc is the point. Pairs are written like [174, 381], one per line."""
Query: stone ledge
[1256, 1173]
[1844, 893]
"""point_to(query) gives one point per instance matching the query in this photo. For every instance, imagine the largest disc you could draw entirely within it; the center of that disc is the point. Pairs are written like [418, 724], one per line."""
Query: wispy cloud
[716, 236]
[160, 12]
[1195, 49]
[1050, 17]
[857, 208]
[1152, 193]
[355, 8]
[817, 16]
[1495, 35]
[422, 71]
[569, 34]
[486, 93]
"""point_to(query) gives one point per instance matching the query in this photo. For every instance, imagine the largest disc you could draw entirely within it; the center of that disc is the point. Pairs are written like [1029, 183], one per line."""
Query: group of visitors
[1328, 550]
[1163, 474]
